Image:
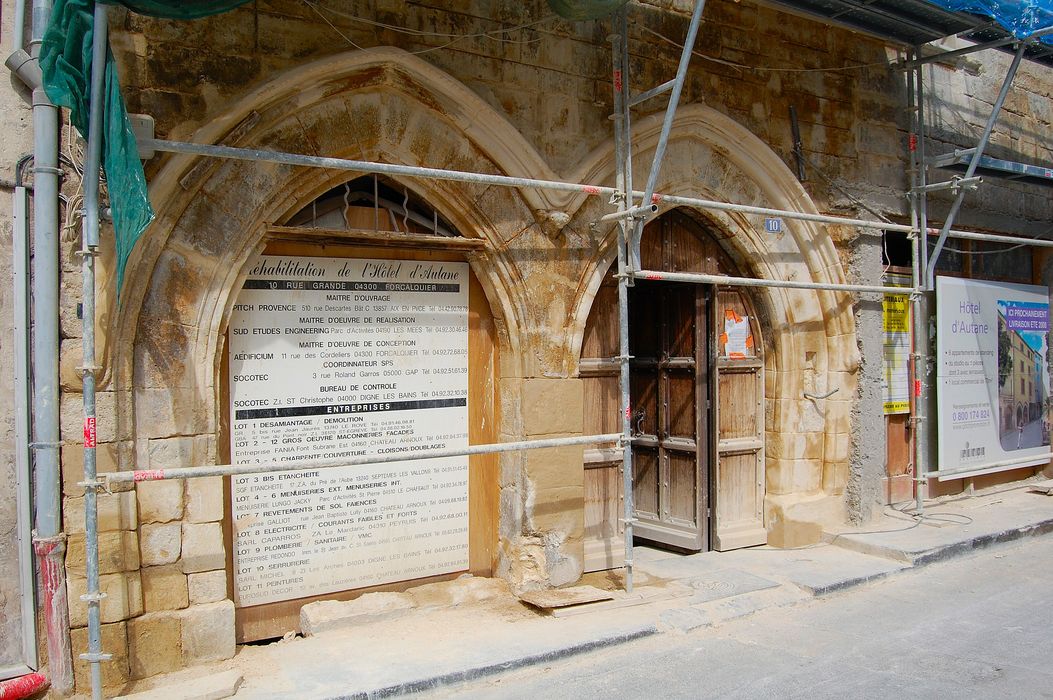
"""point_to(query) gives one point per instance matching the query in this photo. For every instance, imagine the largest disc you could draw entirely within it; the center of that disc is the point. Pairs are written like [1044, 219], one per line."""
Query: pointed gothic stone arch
[165, 347]
[813, 344]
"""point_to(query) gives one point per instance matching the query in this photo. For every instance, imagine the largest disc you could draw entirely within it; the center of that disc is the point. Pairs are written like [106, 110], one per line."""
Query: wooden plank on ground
[1045, 487]
[565, 597]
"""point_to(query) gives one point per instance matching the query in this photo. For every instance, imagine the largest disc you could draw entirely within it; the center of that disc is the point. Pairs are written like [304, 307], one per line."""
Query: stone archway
[379, 105]
[813, 344]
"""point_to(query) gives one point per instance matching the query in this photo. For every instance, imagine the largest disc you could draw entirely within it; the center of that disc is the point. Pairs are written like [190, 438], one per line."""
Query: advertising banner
[333, 358]
[992, 374]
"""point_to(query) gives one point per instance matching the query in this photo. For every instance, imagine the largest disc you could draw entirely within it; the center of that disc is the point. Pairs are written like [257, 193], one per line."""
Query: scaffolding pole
[703, 278]
[137, 475]
[89, 250]
[366, 167]
[919, 243]
[623, 179]
[973, 163]
[667, 126]
[616, 193]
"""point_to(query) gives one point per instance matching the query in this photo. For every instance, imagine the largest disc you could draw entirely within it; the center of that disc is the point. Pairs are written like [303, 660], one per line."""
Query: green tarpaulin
[180, 9]
[65, 59]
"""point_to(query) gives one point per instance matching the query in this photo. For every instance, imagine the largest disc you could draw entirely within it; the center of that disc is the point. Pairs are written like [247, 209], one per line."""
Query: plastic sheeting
[65, 60]
[1021, 18]
[181, 9]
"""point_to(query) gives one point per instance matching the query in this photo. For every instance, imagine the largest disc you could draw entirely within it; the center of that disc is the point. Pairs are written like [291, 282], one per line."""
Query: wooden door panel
[646, 482]
[602, 396]
[683, 488]
[680, 310]
[683, 420]
[604, 532]
[738, 476]
[739, 473]
[645, 402]
[644, 315]
[601, 330]
[739, 412]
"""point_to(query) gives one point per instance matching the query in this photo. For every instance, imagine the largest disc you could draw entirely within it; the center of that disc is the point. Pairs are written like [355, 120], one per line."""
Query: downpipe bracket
[95, 658]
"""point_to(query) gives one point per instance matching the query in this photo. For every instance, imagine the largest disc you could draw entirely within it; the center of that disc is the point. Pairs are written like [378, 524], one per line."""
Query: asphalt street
[974, 627]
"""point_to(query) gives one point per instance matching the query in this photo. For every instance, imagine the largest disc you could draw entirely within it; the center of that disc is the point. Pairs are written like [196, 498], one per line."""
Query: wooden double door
[696, 404]
[669, 380]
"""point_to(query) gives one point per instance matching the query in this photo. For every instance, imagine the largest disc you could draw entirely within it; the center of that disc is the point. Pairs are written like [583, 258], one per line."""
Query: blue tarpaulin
[1021, 18]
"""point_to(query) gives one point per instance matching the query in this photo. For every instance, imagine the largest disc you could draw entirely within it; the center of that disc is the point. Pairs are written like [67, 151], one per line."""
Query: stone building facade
[498, 88]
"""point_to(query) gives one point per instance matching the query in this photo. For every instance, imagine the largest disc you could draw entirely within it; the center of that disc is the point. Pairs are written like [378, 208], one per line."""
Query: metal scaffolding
[633, 208]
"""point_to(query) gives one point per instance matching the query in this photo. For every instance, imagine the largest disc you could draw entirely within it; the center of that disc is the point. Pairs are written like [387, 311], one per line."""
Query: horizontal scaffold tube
[699, 278]
[996, 238]
[402, 455]
[255, 155]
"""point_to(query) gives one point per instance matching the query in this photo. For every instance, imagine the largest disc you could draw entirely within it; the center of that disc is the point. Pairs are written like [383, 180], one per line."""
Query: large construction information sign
[334, 358]
[993, 374]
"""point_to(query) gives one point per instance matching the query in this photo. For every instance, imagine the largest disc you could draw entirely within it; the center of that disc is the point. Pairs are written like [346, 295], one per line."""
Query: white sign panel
[992, 374]
[334, 358]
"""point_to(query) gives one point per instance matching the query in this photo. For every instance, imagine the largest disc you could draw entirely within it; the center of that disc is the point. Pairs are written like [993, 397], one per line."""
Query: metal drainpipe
[19, 27]
[89, 250]
[49, 541]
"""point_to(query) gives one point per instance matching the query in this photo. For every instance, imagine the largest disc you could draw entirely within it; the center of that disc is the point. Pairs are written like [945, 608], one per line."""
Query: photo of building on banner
[993, 372]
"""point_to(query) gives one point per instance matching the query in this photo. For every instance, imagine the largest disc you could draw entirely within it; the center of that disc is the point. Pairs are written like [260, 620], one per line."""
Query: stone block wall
[162, 558]
[163, 548]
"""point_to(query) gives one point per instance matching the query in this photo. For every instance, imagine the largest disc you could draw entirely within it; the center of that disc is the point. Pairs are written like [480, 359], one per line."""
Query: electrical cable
[73, 205]
[964, 251]
[951, 518]
[331, 25]
[493, 34]
[417, 32]
[743, 67]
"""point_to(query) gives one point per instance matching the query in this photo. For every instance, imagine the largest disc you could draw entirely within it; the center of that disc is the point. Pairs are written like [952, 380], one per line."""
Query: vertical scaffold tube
[918, 247]
[89, 250]
[623, 175]
[667, 127]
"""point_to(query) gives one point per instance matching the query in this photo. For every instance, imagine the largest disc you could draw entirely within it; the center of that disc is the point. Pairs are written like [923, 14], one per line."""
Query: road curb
[845, 584]
[957, 549]
[470, 674]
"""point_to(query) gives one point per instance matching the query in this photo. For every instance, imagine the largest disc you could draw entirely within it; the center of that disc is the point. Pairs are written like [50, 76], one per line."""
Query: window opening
[896, 251]
[345, 207]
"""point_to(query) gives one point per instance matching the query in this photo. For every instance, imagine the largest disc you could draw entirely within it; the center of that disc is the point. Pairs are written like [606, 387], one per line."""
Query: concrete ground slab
[817, 570]
[724, 584]
[191, 685]
[955, 527]
[424, 651]
[470, 628]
